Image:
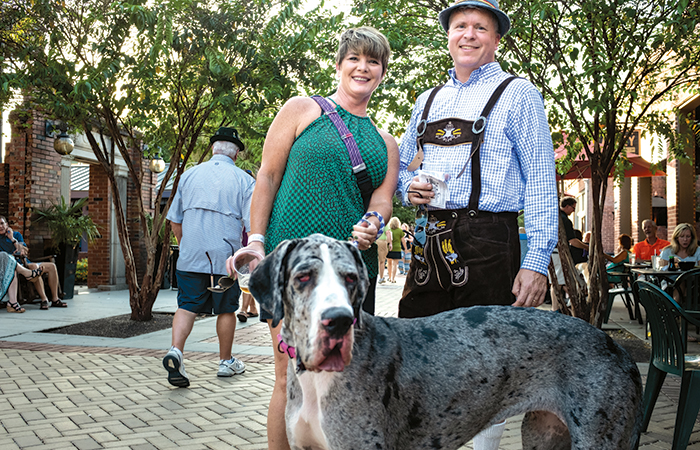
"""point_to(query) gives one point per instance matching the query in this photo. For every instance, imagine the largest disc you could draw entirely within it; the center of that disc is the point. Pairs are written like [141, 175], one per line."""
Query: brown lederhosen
[451, 265]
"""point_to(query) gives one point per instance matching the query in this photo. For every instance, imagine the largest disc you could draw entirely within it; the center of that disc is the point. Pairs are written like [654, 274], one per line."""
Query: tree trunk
[598, 295]
[142, 304]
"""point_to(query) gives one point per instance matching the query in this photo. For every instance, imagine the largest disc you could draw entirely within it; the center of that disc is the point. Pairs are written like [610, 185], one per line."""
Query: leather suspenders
[453, 131]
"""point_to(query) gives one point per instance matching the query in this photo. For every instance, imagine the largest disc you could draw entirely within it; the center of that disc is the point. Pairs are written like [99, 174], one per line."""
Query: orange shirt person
[651, 245]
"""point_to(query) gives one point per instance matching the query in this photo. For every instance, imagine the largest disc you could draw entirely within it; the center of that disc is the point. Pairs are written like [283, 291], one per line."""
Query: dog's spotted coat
[435, 382]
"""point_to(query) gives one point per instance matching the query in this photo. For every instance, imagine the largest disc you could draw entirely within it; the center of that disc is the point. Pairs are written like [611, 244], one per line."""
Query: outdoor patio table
[643, 265]
[658, 274]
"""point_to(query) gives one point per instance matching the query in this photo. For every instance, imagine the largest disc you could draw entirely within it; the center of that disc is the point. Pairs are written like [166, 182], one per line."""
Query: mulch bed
[119, 326]
[639, 350]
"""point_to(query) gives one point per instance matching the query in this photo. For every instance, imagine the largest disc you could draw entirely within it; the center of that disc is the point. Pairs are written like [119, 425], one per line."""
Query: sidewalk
[79, 392]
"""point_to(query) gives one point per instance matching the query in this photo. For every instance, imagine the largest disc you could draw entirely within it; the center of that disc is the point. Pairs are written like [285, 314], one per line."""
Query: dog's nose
[337, 321]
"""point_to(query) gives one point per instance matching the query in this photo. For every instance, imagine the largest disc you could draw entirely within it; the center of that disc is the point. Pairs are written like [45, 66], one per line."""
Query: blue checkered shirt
[212, 202]
[517, 155]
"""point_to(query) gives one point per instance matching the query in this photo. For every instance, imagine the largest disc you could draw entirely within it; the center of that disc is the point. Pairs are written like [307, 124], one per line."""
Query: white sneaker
[381, 281]
[176, 368]
[231, 367]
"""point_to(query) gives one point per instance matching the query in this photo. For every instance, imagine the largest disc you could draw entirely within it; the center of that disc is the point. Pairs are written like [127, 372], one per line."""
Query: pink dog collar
[283, 347]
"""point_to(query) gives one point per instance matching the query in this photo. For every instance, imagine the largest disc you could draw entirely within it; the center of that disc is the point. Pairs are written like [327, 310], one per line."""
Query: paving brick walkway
[56, 396]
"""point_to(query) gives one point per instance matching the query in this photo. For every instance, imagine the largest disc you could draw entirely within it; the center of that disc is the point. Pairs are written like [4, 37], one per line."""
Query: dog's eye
[350, 279]
[303, 278]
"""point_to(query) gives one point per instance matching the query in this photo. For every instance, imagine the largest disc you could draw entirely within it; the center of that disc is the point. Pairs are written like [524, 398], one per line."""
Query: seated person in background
[8, 280]
[12, 242]
[586, 240]
[651, 245]
[617, 262]
[683, 246]
[578, 254]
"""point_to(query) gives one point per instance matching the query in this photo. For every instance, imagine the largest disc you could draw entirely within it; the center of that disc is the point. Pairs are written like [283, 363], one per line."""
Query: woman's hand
[255, 246]
[364, 233]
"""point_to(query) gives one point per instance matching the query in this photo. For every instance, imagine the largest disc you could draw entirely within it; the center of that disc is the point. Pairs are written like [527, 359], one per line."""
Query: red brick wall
[34, 178]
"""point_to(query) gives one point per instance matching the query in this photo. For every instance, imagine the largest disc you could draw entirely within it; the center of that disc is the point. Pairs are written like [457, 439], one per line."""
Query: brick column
[641, 206]
[99, 208]
[17, 167]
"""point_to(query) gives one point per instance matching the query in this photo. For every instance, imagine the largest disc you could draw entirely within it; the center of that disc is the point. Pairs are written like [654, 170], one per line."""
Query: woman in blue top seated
[684, 245]
[617, 262]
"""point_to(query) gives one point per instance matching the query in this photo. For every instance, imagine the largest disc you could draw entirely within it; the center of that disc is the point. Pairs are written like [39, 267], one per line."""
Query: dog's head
[317, 285]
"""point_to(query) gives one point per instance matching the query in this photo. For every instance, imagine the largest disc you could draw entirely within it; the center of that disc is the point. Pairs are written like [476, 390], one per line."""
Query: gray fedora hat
[490, 5]
[227, 134]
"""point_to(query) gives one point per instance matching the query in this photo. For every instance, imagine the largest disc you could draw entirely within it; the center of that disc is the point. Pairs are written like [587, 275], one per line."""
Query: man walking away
[208, 214]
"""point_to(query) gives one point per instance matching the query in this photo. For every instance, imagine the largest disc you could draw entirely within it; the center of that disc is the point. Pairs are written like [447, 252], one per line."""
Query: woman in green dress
[306, 185]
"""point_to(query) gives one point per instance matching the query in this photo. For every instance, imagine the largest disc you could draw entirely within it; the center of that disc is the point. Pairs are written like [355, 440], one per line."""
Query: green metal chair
[668, 356]
[688, 286]
[623, 288]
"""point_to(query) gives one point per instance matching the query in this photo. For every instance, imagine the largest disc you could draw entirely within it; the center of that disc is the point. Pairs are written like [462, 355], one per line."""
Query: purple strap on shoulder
[345, 134]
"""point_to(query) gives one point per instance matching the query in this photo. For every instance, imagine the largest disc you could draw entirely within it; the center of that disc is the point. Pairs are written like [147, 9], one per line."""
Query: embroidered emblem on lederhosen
[448, 133]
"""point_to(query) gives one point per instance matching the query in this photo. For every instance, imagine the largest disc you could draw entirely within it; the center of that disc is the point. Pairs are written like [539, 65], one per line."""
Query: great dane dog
[435, 382]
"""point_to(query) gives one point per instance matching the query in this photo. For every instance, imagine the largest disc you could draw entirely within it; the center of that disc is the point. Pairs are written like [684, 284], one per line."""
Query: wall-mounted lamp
[62, 143]
[157, 164]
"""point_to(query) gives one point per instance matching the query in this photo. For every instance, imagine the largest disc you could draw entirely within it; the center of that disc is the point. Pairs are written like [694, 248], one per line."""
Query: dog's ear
[267, 282]
[362, 285]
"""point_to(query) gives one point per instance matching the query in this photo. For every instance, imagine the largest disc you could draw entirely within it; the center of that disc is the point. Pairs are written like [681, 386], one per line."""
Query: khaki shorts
[382, 249]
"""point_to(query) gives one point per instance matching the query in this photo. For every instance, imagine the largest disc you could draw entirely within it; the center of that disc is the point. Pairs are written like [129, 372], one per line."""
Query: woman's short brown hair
[364, 41]
[625, 241]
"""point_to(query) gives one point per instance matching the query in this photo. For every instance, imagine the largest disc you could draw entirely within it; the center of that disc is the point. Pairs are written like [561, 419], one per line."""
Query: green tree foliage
[603, 68]
[163, 73]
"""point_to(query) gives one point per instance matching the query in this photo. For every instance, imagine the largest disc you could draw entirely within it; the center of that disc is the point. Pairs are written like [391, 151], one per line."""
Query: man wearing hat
[211, 206]
[483, 140]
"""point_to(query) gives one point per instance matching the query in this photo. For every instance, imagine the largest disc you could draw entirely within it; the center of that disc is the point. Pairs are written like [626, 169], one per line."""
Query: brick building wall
[33, 174]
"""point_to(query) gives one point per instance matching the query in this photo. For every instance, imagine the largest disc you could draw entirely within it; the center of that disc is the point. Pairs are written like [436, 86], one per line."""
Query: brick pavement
[75, 397]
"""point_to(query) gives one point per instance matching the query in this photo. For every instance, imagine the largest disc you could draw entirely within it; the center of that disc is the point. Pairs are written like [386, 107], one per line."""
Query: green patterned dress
[319, 192]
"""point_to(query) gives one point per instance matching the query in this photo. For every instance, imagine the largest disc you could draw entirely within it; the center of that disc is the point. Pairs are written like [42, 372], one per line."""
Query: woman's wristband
[256, 238]
[369, 214]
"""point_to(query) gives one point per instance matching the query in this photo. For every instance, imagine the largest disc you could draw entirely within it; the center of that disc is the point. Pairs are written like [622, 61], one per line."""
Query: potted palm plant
[67, 225]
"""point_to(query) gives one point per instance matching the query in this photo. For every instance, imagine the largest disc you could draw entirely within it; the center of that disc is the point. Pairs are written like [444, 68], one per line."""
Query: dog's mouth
[333, 354]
